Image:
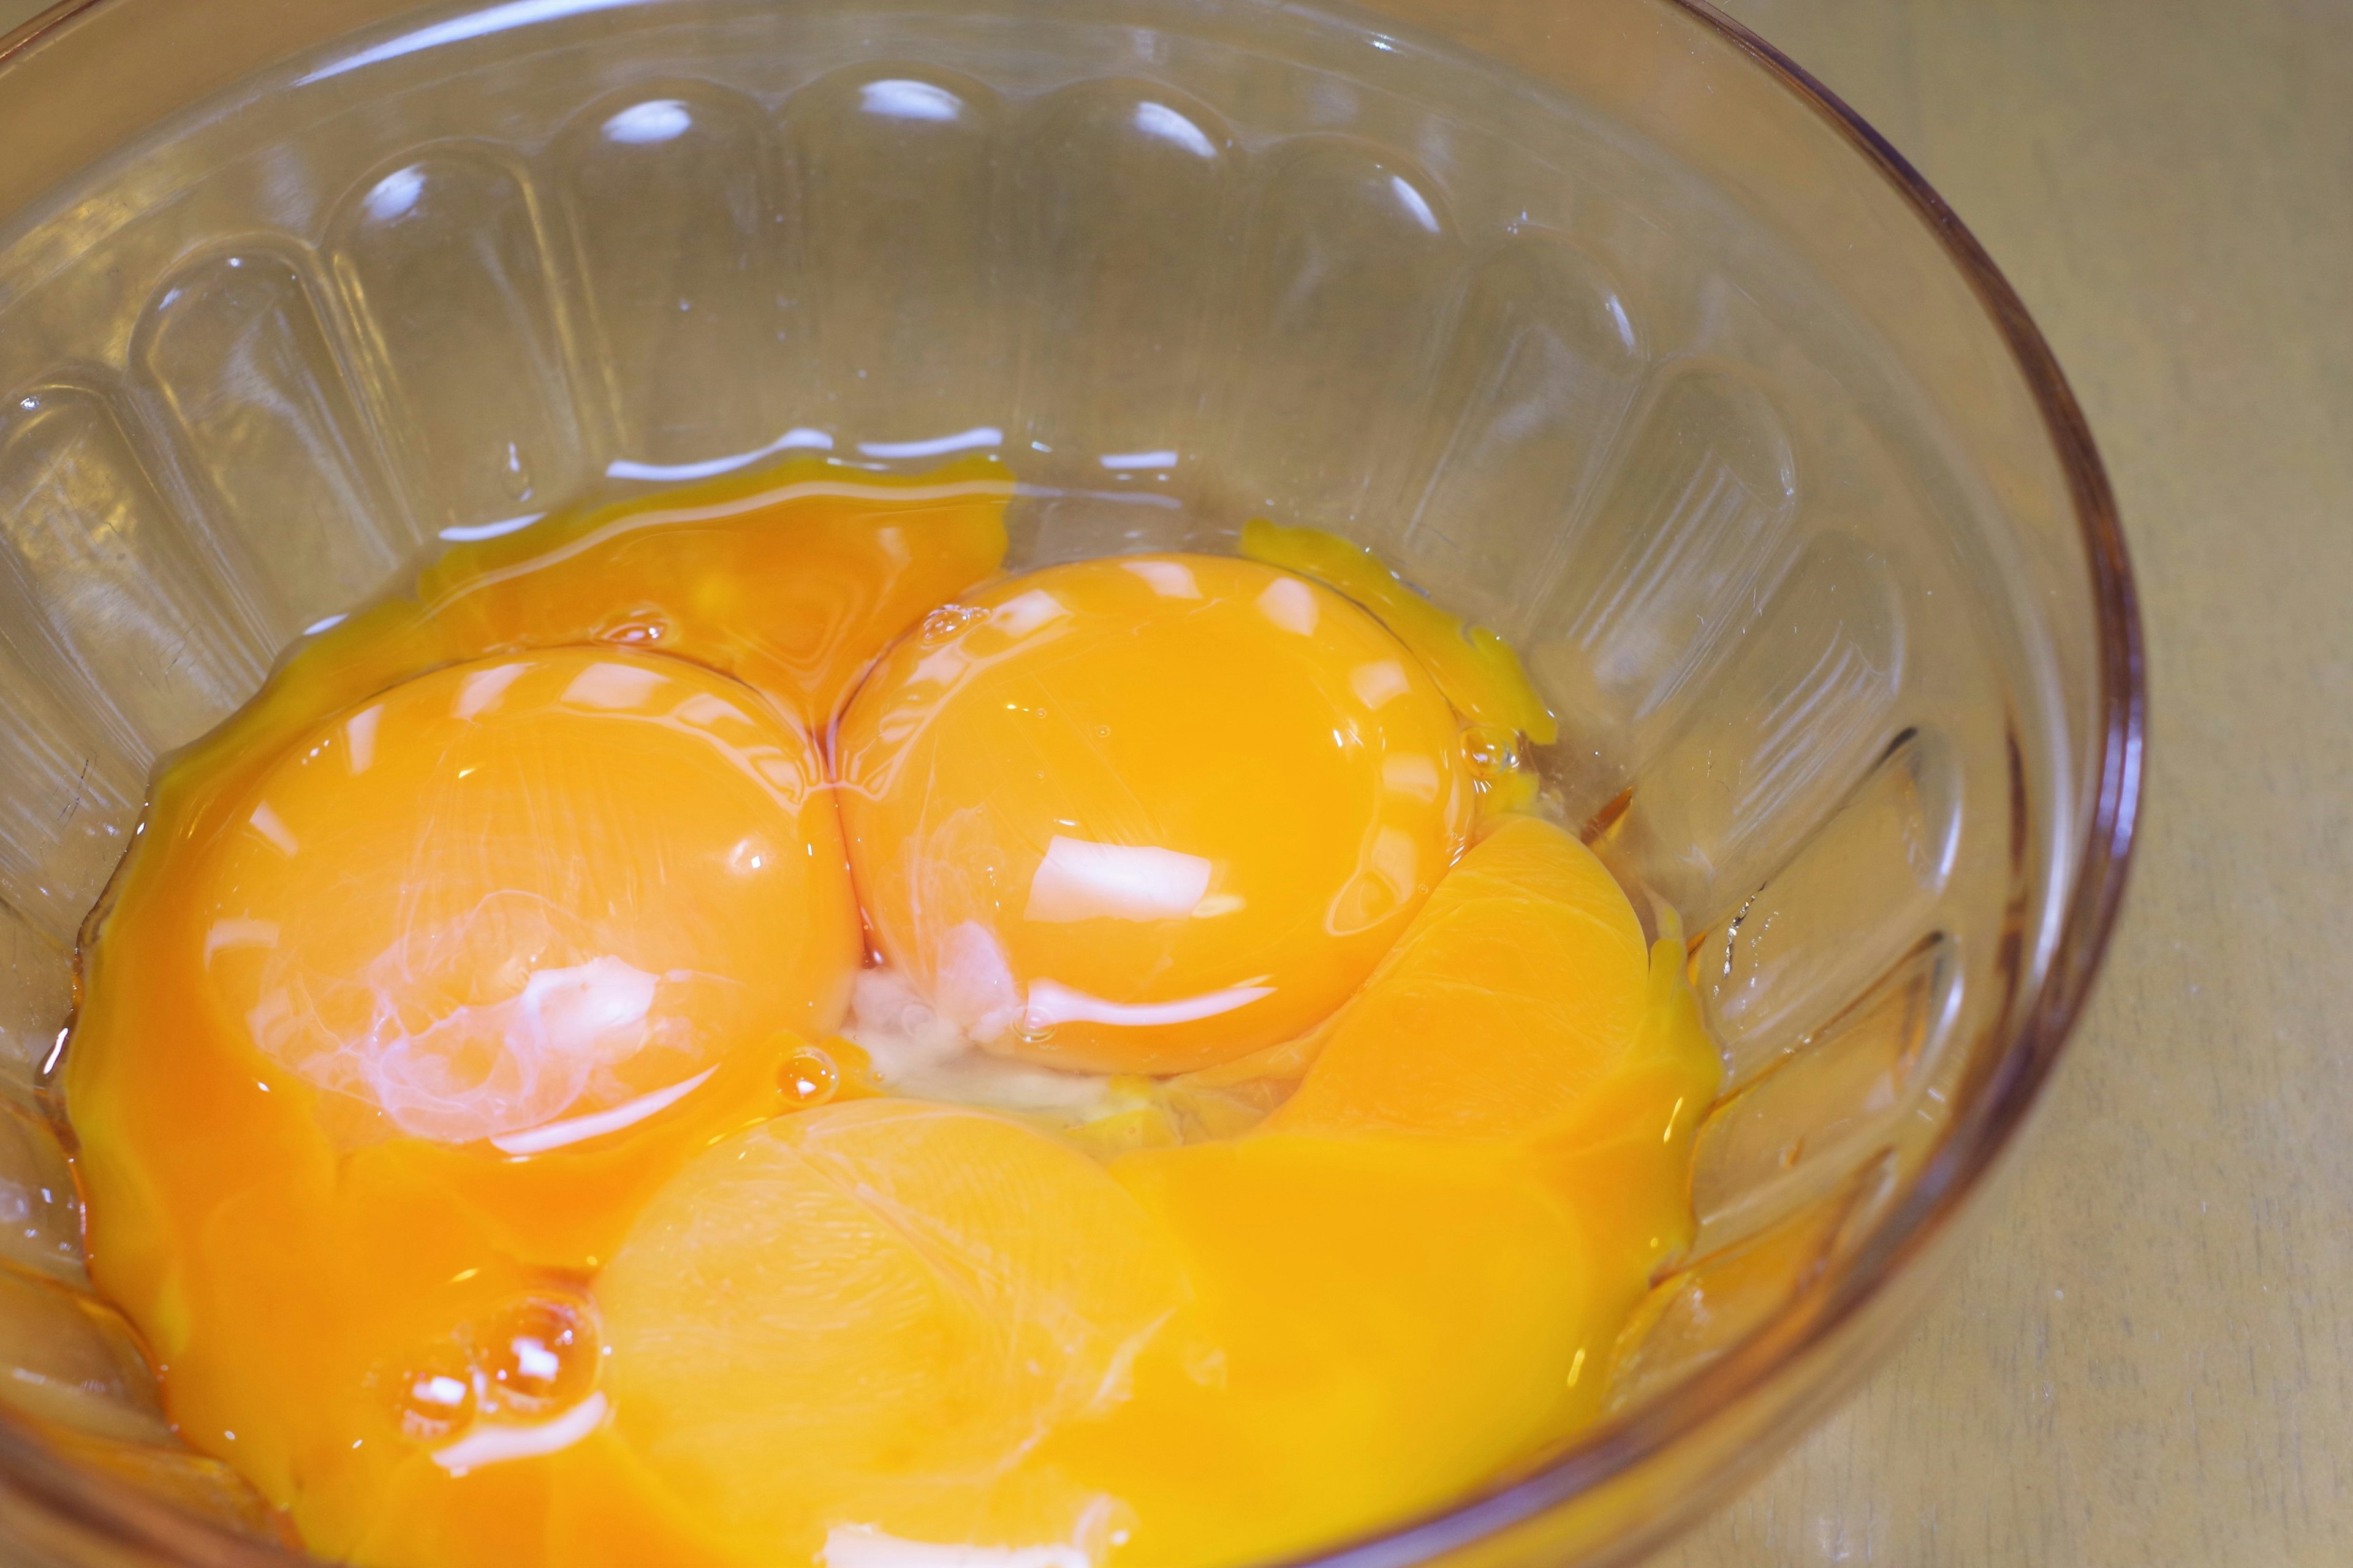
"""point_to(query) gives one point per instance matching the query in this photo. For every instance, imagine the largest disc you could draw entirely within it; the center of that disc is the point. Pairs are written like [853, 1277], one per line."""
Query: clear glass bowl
[1603, 321]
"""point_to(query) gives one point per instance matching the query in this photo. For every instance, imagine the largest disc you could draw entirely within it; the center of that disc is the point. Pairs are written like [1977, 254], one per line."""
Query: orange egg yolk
[1146, 815]
[529, 899]
[791, 579]
[1253, 1126]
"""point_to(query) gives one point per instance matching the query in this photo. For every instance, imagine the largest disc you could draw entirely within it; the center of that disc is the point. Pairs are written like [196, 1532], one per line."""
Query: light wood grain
[2147, 1357]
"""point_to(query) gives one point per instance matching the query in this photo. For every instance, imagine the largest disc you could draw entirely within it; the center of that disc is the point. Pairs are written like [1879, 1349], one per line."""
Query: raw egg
[531, 900]
[718, 1032]
[891, 1303]
[791, 578]
[1148, 814]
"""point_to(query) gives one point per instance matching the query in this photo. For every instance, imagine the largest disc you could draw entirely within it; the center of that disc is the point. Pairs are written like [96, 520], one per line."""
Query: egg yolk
[1145, 815]
[529, 900]
[793, 578]
[1371, 1327]
[713, 1032]
[889, 1303]
[1563, 1038]
[790, 578]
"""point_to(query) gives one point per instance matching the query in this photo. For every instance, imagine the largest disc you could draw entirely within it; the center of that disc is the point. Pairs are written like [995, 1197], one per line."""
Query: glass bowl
[1600, 319]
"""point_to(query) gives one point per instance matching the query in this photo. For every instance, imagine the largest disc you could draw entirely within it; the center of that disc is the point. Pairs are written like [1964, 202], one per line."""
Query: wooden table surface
[2147, 1357]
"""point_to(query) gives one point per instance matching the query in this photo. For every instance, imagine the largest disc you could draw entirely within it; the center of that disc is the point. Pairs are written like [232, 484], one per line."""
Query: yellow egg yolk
[468, 1124]
[528, 899]
[1145, 815]
[892, 1303]
[1370, 1327]
[791, 578]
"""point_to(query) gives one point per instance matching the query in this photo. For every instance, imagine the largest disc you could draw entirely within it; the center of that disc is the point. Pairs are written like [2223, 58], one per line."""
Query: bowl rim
[38, 23]
[1948, 1183]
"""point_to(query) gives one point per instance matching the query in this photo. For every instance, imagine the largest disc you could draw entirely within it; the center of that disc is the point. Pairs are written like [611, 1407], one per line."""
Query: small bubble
[1031, 1033]
[809, 1076]
[538, 1357]
[947, 621]
[637, 628]
[1492, 751]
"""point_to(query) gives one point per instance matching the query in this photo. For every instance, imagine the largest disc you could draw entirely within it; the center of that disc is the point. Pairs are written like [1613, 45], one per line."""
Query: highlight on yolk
[1147, 814]
[717, 1033]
